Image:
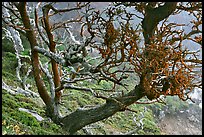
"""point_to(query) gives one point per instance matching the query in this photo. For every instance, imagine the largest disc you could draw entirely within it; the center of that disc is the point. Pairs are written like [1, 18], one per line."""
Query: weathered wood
[81, 118]
[153, 16]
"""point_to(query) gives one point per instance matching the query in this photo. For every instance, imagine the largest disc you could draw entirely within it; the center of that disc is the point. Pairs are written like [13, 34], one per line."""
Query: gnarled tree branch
[153, 16]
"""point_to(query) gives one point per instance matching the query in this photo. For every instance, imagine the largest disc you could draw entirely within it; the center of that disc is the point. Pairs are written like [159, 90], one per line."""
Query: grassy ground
[15, 122]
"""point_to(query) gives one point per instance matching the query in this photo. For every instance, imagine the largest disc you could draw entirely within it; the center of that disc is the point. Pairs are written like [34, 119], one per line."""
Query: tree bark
[153, 16]
[52, 44]
[81, 118]
[34, 54]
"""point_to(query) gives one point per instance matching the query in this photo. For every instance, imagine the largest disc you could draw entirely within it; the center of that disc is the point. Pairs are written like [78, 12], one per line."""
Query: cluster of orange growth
[119, 45]
[162, 57]
[110, 38]
[158, 60]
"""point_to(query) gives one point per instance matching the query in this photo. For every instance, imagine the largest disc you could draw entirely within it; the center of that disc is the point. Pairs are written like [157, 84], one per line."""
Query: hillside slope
[180, 125]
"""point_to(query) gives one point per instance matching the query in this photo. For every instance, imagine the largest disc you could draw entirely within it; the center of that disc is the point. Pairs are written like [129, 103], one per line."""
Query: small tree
[162, 62]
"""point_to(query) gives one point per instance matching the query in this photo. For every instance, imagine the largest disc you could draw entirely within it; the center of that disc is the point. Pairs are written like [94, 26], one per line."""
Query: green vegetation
[16, 122]
[124, 56]
[9, 63]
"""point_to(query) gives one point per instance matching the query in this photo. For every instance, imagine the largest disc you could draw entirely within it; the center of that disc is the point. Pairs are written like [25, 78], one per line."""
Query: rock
[192, 118]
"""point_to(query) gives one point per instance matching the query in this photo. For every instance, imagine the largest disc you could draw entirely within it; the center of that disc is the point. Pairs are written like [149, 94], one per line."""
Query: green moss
[7, 74]
[9, 63]
[9, 101]
[27, 123]
[141, 132]
[150, 127]
[72, 105]
[7, 46]
[25, 118]
[106, 84]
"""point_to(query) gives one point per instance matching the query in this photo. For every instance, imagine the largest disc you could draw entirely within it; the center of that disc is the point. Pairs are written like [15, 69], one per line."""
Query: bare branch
[51, 55]
[36, 24]
[18, 90]
[69, 9]
[70, 86]
[50, 79]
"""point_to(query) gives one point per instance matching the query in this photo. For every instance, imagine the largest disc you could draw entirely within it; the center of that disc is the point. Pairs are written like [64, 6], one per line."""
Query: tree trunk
[81, 118]
[34, 54]
[52, 107]
[153, 16]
